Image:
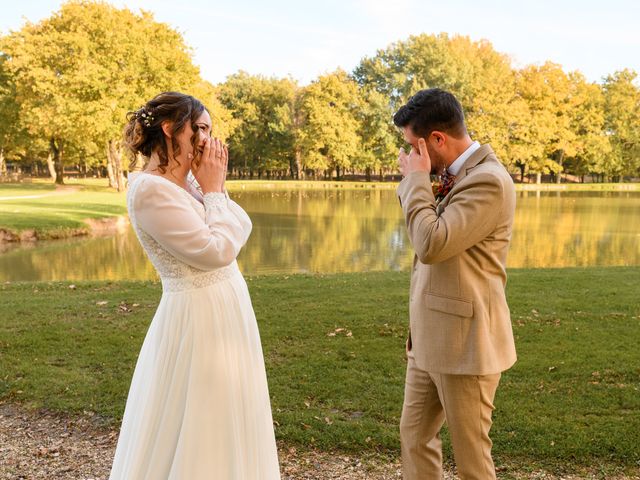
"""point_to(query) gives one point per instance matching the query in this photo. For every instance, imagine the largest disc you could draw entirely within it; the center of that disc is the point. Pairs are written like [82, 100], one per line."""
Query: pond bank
[94, 227]
[32, 212]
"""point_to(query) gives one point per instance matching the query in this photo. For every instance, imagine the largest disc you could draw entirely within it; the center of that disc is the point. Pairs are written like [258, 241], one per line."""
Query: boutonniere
[442, 187]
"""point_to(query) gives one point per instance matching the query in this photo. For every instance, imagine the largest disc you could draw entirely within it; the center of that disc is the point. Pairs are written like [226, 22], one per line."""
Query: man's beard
[437, 162]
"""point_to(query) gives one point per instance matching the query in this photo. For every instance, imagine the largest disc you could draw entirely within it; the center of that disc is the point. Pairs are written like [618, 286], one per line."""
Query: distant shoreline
[108, 223]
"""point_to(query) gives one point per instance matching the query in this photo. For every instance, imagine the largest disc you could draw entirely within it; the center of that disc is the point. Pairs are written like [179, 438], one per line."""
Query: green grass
[572, 401]
[57, 213]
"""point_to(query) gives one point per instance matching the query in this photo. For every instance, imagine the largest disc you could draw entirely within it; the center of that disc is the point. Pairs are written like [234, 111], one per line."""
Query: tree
[329, 133]
[587, 121]
[480, 77]
[622, 123]
[263, 114]
[380, 140]
[12, 133]
[546, 91]
[80, 71]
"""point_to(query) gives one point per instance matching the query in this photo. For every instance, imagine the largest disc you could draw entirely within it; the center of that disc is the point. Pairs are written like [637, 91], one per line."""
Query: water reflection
[355, 230]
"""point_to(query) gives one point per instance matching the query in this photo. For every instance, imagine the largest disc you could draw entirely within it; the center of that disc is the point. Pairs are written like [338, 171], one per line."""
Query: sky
[304, 39]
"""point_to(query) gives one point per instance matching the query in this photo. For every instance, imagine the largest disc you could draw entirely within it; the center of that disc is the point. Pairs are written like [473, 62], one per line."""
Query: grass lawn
[57, 212]
[334, 351]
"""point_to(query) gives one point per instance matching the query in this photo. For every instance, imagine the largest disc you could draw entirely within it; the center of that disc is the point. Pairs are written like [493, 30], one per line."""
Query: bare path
[44, 446]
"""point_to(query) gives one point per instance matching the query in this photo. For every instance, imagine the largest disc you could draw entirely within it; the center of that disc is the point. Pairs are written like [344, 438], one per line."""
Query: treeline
[67, 82]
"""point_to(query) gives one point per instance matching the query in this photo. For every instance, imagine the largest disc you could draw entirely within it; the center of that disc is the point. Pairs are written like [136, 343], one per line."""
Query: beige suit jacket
[459, 318]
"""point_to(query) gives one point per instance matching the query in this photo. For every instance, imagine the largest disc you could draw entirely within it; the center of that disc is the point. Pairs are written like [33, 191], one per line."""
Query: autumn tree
[380, 140]
[78, 72]
[622, 123]
[12, 134]
[480, 77]
[587, 121]
[330, 131]
[263, 116]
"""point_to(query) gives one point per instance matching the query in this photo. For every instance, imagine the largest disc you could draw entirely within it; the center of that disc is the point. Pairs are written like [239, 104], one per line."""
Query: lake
[359, 230]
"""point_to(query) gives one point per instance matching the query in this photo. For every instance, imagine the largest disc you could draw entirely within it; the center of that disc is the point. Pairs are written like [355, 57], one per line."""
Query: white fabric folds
[198, 407]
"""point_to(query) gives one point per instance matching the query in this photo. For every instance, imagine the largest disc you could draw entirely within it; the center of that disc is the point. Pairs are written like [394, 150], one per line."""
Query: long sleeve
[470, 216]
[168, 215]
[240, 214]
[242, 217]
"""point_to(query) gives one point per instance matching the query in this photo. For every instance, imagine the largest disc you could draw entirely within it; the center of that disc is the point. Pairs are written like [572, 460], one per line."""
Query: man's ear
[167, 128]
[439, 138]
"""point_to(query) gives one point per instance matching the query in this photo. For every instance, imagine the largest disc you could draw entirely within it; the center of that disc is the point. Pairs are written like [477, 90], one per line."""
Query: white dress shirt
[455, 167]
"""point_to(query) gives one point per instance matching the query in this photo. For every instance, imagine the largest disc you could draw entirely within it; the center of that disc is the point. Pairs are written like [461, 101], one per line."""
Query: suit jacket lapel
[476, 157]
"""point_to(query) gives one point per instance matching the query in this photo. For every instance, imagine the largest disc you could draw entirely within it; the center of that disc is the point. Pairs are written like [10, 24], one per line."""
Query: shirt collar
[455, 167]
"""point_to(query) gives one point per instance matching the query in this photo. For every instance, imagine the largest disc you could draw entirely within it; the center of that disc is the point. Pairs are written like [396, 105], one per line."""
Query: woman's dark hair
[143, 132]
[429, 110]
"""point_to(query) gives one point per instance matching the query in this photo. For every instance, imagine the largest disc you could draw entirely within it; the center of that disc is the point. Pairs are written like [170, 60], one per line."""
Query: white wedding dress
[198, 407]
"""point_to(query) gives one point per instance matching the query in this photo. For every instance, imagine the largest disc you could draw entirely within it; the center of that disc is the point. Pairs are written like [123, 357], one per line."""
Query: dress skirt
[198, 407]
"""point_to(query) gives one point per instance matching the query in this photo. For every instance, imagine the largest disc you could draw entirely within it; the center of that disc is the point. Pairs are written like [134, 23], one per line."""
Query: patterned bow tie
[444, 186]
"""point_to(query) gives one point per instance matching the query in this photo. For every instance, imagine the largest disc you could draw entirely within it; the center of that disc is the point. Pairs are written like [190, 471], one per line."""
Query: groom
[460, 336]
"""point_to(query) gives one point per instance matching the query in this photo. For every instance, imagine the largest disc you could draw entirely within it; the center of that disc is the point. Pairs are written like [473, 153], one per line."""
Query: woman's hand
[212, 172]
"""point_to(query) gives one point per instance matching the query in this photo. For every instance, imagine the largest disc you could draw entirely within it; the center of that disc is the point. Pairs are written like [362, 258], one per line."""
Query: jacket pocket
[451, 305]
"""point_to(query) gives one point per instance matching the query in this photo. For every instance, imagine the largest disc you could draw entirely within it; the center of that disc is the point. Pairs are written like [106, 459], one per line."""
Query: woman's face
[203, 131]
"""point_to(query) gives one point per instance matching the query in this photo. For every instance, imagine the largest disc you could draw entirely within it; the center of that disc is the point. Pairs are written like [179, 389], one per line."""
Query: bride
[198, 407]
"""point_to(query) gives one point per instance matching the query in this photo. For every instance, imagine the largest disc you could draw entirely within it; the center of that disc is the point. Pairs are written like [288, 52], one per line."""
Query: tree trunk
[113, 183]
[57, 151]
[538, 178]
[560, 159]
[50, 167]
[116, 160]
[3, 164]
[522, 165]
[298, 165]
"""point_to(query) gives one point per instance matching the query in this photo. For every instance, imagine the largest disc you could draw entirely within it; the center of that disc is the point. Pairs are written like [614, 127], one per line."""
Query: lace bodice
[191, 244]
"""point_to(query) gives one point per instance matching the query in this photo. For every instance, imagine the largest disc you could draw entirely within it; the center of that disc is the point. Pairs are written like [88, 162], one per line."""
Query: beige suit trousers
[466, 403]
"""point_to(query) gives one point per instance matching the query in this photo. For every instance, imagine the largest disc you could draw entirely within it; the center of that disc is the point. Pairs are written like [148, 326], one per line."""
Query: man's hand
[415, 161]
